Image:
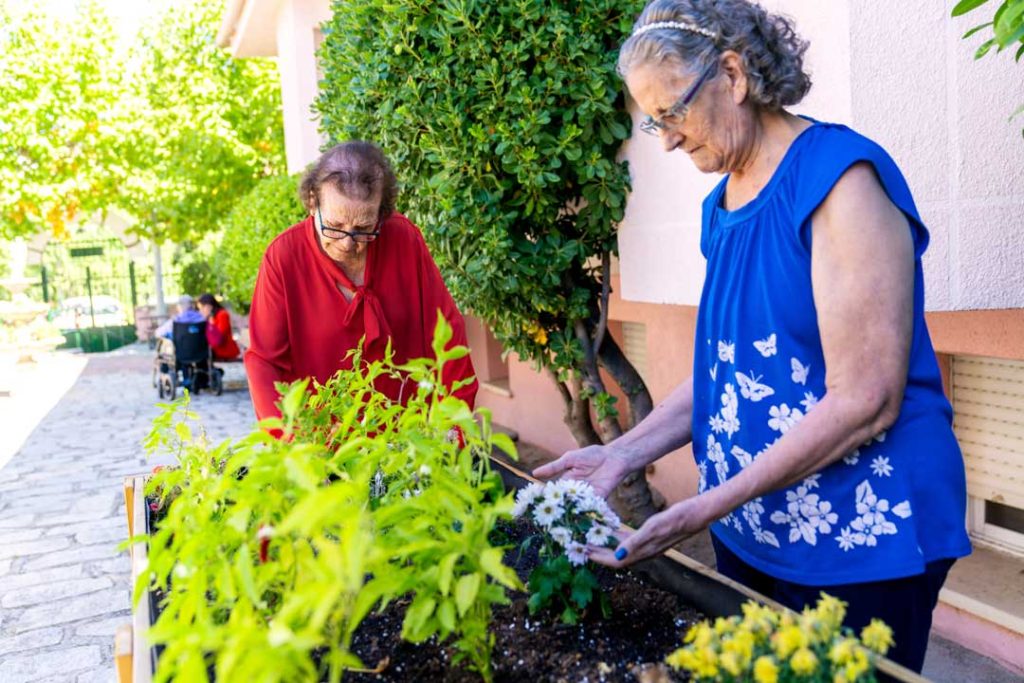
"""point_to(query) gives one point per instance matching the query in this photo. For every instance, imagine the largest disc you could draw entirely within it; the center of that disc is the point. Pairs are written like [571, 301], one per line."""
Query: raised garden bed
[665, 595]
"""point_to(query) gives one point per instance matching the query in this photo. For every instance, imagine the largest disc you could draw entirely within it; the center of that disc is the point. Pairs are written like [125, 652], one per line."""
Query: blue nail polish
[620, 554]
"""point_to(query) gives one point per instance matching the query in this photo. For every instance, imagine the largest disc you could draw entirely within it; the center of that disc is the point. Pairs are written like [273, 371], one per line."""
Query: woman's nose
[671, 139]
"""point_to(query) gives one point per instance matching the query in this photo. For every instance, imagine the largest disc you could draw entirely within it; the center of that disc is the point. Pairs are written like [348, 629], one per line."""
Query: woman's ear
[733, 68]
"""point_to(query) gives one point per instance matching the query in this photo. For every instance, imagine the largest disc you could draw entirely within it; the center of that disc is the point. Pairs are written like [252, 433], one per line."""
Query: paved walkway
[64, 588]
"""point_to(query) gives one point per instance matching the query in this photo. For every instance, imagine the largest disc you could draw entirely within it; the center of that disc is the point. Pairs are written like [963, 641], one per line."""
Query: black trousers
[904, 604]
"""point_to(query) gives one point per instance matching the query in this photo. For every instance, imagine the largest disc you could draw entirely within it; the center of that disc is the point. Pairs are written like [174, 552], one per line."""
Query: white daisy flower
[525, 498]
[424, 470]
[547, 513]
[577, 554]
[561, 535]
[598, 535]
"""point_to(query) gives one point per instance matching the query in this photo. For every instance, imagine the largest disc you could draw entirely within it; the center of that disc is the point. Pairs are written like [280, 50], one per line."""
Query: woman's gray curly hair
[772, 52]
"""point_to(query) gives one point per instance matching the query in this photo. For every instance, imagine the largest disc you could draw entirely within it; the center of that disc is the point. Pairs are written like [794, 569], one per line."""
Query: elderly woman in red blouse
[355, 269]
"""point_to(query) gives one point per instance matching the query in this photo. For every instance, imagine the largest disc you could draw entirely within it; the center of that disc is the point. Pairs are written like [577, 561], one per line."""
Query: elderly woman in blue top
[816, 411]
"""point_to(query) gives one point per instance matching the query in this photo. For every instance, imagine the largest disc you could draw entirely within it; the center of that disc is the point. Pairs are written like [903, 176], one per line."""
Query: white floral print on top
[783, 418]
[806, 514]
[727, 419]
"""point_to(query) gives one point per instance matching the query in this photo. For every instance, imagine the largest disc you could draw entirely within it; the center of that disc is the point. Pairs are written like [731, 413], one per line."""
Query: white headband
[680, 25]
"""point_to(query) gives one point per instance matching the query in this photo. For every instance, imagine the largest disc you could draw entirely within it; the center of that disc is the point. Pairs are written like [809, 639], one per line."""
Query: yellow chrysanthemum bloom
[766, 670]
[857, 666]
[723, 626]
[831, 610]
[758, 619]
[788, 639]
[705, 663]
[804, 662]
[731, 663]
[877, 636]
[842, 651]
[741, 644]
[700, 635]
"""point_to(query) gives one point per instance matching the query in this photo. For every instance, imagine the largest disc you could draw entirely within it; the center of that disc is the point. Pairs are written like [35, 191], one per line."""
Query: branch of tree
[606, 288]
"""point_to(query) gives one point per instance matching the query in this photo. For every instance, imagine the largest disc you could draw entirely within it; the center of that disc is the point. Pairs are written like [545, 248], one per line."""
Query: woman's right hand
[603, 467]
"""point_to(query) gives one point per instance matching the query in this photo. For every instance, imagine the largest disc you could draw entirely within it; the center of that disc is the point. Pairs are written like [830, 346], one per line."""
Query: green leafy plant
[269, 552]
[269, 208]
[771, 646]
[571, 516]
[504, 121]
[1007, 27]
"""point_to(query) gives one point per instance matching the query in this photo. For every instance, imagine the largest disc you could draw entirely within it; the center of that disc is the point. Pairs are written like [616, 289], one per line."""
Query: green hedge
[503, 120]
[258, 217]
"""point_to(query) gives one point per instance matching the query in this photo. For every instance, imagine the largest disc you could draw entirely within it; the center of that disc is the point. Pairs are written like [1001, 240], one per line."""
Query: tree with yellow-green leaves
[171, 130]
[204, 129]
[60, 82]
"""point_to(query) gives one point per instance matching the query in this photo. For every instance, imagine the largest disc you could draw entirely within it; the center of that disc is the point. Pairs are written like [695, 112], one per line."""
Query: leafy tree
[1007, 26]
[59, 91]
[504, 121]
[205, 129]
[261, 215]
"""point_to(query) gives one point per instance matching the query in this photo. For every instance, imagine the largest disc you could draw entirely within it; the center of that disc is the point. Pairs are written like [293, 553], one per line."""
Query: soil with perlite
[646, 624]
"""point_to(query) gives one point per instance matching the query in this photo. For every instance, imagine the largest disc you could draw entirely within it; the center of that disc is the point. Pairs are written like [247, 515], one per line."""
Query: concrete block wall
[901, 74]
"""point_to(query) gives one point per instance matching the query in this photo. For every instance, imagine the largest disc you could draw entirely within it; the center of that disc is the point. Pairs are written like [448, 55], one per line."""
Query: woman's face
[206, 309]
[338, 212]
[717, 130]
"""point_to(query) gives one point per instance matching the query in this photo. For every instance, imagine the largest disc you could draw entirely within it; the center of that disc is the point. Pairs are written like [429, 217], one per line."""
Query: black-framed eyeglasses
[338, 233]
[676, 114]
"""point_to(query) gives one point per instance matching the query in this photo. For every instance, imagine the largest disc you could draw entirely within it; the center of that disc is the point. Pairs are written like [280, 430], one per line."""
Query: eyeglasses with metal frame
[337, 233]
[676, 114]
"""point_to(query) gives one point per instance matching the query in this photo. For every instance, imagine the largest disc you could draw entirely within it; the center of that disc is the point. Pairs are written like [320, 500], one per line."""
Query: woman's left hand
[660, 532]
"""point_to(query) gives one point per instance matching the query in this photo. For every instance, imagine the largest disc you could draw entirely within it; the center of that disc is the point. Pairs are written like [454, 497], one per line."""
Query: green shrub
[503, 120]
[256, 219]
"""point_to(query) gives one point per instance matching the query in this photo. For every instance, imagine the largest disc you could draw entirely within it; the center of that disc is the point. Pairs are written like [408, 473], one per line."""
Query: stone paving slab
[64, 587]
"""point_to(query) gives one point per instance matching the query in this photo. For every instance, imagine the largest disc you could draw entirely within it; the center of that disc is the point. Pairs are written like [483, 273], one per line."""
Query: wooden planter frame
[703, 587]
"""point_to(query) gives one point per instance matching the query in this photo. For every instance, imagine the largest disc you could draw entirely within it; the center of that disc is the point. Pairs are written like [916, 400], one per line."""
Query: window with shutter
[988, 418]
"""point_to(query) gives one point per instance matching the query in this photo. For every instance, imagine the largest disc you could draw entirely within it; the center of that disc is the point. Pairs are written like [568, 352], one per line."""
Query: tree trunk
[625, 375]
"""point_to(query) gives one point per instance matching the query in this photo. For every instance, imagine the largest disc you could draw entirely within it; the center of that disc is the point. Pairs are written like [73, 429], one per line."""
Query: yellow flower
[740, 644]
[877, 636]
[702, 663]
[788, 639]
[537, 333]
[804, 662]
[766, 670]
[842, 651]
[831, 610]
[758, 619]
[723, 626]
[731, 663]
[857, 666]
[700, 635]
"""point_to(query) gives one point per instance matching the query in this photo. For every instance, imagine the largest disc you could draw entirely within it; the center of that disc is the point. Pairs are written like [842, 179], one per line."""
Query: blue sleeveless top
[885, 509]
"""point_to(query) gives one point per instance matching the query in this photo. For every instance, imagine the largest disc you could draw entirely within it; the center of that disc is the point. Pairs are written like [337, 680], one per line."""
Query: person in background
[187, 313]
[355, 271]
[218, 328]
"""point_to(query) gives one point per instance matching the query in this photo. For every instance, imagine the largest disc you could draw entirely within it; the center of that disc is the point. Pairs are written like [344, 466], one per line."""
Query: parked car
[73, 313]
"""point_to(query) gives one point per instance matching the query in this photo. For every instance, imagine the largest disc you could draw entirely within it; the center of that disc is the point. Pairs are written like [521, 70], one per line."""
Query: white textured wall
[899, 73]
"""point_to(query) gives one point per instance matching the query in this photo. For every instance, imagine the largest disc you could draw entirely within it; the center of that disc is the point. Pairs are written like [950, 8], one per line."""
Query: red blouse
[301, 325]
[218, 335]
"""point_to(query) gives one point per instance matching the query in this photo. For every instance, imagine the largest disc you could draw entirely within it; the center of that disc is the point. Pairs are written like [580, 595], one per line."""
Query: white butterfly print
[727, 352]
[799, 371]
[751, 387]
[766, 347]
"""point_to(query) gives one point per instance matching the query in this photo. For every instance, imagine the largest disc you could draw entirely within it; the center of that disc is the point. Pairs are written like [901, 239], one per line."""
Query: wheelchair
[186, 361]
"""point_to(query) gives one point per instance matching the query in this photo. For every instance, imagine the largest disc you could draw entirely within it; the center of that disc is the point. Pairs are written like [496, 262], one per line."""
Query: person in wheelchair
[188, 356]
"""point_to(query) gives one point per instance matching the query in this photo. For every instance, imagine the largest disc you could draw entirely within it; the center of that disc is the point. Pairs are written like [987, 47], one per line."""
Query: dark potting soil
[647, 623]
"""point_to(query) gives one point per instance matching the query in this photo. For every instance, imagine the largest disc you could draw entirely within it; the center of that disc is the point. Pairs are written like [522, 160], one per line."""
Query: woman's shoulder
[824, 142]
[289, 245]
[402, 233]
